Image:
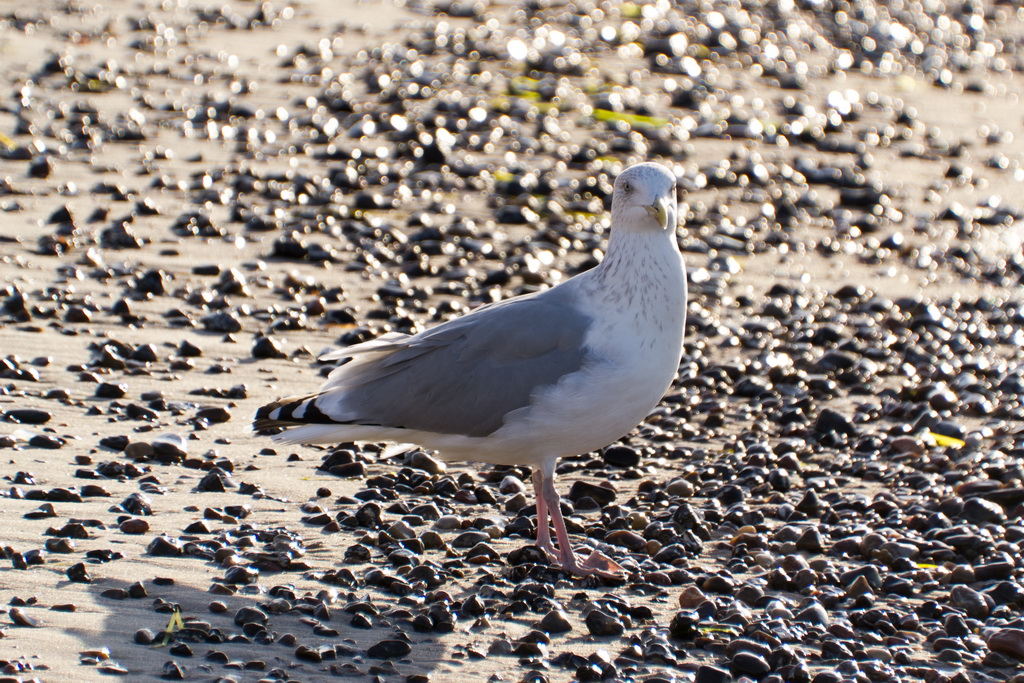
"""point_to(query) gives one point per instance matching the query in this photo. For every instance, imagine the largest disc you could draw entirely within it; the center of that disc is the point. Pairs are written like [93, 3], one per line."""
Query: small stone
[679, 487]
[308, 653]
[180, 650]
[907, 445]
[241, 575]
[144, 636]
[418, 460]
[389, 649]
[970, 601]
[215, 482]
[468, 539]
[401, 530]
[172, 671]
[112, 669]
[527, 554]
[111, 390]
[27, 416]
[582, 489]
[813, 614]
[600, 623]
[717, 583]
[139, 450]
[1008, 641]
[250, 615]
[223, 322]
[77, 573]
[44, 511]
[621, 456]
[187, 349]
[750, 663]
[684, 625]
[711, 674]
[213, 415]
[170, 446]
[511, 485]
[20, 618]
[138, 504]
[626, 538]
[983, 511]
[164, 546]
[60, 545]
[860, 586]
[267, 347]
[811, 541]
[47, 441]
[555, 621]
[134, 526]
[832, 422]
[691, 597]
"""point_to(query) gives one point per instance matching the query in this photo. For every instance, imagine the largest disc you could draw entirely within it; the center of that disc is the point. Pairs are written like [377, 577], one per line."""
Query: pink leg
[543, 530]
[596, 563]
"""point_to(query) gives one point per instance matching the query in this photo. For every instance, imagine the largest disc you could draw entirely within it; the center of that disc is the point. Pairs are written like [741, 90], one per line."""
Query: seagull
[528, 380]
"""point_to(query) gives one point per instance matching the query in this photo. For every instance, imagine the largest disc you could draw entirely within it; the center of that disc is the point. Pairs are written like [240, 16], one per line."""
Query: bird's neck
[641, 257]
[643, 274]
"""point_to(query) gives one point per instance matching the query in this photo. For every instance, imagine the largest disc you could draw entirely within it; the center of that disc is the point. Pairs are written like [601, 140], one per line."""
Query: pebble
[134, 526]
[603, 495]
[389, 649]
[20, 618]
[621, 456]
[601, 623]
[28, 416]
[555, 621]
[970, 601]
[750, 663]
[77, 573]
[1008, 641]
[711, 674]
[691, 597]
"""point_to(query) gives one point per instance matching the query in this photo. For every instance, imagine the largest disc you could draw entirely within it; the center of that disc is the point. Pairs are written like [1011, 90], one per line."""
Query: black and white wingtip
[291, 411]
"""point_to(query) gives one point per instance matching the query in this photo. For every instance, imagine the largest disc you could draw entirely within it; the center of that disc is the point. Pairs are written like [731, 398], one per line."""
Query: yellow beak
[659, 211]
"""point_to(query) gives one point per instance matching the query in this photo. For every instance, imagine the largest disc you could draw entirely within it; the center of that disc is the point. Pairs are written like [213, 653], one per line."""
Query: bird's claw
[599, 564]
[596, 564]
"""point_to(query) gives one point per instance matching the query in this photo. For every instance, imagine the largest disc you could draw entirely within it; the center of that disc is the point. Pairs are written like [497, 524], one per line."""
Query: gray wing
[466, 375]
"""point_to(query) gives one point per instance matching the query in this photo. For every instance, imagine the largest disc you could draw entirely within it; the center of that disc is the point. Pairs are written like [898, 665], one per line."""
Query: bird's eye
[627, 186]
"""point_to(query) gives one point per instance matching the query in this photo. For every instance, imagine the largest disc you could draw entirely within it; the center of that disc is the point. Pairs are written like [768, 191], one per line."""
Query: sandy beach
[196, 200]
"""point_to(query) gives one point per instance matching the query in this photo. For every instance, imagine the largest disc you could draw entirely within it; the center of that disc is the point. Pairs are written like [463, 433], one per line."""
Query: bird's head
[644, 199]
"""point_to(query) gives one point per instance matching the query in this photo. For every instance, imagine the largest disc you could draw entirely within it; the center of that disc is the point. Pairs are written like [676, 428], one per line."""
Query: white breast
[636, 345]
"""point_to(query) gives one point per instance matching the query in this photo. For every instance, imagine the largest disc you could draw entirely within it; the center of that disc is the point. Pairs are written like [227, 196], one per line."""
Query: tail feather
[297, 419]
[290, 412]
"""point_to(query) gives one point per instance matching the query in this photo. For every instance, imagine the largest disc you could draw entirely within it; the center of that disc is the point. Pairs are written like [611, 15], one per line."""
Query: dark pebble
[389, 649]
[164, 546]
[28, 416]
[621, 456]
[144, 636]
[134, 526]
[77, 573]
[267, 347]
[20, 618]
[600, 623]
[249, 615]
[581, 489]
[555, 621]
[111, 390]
[711, 674]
